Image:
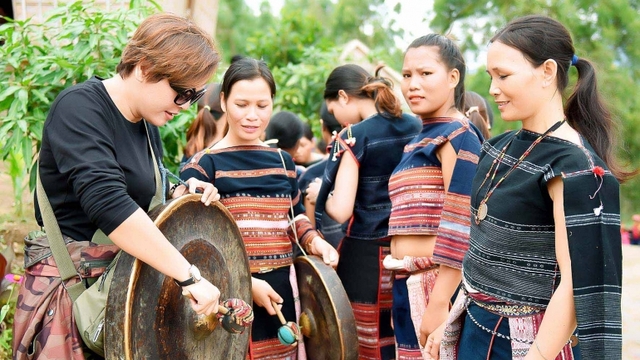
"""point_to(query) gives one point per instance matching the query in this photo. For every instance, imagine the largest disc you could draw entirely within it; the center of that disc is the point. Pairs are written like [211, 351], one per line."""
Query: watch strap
[189, 281]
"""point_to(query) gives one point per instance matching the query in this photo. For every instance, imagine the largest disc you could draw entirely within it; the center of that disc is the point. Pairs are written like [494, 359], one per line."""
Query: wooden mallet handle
[278, 312]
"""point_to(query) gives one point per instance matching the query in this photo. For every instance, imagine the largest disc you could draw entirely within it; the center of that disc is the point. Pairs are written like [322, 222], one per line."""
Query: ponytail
[587, 113]
[474, 116]
[201, 132]
[380, 89]
[356, 81]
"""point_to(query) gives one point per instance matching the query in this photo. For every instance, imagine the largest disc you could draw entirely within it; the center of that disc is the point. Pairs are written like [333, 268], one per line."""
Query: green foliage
[604, 32]
[4, 310]
[301, 45]
[174, 138]
[6, 332]
[301, 86]
[39, 60]
[313, 23]
[230, 37]
[286, 41]
[7, 311]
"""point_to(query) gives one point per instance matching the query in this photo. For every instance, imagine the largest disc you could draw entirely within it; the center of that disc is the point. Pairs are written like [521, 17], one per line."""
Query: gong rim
[214, 232]
[340, 306]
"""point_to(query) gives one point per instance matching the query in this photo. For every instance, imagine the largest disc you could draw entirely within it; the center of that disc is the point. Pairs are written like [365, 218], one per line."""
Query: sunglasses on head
[187, 95]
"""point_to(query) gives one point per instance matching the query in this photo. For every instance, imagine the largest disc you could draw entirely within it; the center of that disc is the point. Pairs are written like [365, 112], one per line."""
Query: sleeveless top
[416, 188]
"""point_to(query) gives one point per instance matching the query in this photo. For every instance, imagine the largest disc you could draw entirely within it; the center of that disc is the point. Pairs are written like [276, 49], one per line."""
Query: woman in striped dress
[430, 191]
[258, 186]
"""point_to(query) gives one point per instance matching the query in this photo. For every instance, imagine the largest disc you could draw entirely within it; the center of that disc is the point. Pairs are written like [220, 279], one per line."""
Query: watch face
[195, 273]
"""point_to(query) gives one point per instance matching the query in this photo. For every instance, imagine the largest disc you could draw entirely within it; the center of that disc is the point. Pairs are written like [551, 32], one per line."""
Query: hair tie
[381, 80]
[207, 107]
[471, 110]
[574, 60]
[386, 81]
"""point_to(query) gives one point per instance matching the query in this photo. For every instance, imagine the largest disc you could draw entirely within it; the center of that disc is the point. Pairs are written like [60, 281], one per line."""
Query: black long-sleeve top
[95, 165]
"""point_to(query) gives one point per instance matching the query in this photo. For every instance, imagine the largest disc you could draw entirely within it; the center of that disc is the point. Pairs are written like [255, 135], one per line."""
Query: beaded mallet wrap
[235, 315]
[289, 332]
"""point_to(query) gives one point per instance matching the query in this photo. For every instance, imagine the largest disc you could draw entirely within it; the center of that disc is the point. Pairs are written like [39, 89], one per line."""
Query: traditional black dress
[377, 144]
[511, 263]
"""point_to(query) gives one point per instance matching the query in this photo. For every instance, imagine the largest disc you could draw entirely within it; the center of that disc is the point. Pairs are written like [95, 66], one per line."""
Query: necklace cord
[481, 213]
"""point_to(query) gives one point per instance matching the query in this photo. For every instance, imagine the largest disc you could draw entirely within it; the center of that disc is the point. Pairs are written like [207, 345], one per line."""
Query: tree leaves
[39, 60]
[301, 45]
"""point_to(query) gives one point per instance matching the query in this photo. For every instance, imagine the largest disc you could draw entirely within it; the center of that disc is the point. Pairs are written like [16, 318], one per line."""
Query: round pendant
[482, 211]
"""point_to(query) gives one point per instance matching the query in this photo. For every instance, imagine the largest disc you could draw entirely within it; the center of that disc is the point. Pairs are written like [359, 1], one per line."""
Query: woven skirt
[368, 286]
[480, 331]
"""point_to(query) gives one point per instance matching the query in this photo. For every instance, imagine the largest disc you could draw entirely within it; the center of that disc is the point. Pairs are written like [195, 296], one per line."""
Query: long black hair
[541, 38]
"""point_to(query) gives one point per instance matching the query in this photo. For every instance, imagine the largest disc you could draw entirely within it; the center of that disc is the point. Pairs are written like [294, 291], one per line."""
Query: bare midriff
[412, 245]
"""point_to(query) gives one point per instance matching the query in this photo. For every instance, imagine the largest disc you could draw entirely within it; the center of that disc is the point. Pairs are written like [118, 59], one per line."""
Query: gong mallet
[289, 332]
[235, 315]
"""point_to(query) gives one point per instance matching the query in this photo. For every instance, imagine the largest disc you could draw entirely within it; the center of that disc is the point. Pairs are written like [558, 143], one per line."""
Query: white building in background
[202, 12]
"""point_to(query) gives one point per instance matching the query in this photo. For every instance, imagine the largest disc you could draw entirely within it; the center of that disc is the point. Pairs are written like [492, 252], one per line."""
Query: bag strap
[59, 249]
[293, 216]
[159, 195]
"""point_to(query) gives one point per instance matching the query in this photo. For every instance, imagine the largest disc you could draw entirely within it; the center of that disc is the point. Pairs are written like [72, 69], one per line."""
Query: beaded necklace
[483, 209]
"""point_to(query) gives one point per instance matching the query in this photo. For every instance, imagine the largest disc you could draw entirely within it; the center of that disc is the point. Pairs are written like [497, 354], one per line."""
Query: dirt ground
[13, 230]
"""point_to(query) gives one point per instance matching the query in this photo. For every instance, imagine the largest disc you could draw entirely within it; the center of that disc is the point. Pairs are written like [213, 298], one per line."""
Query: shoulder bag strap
[158, 198]
[58, 248]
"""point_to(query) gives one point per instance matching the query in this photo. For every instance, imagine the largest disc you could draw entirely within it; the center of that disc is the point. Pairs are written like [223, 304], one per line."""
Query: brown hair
[478, 115]
[201, 133]
[170, 47]
[356, 81]
[204, 128]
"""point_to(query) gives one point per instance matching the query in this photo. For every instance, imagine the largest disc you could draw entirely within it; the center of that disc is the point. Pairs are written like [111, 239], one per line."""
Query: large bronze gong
[326, 320]
[147, 317]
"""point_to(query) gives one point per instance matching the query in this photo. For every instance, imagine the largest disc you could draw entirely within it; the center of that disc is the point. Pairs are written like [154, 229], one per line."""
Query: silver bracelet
[539, 352]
